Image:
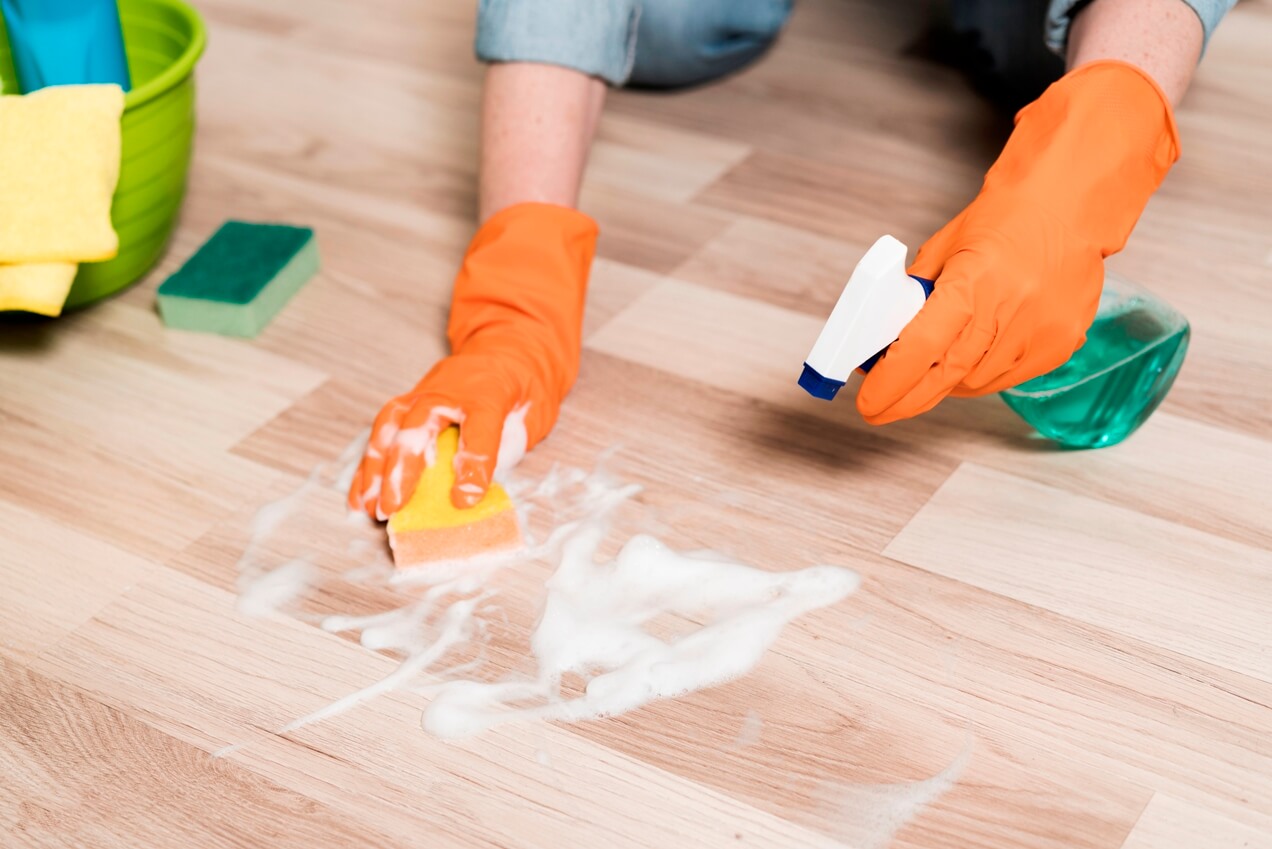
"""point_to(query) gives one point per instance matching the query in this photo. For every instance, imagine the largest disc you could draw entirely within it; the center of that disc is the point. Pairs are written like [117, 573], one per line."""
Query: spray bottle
[1109, 387]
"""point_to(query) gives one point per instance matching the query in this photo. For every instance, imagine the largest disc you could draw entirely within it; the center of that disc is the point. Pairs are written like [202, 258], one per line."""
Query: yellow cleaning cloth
[36, 286]
[59, 163]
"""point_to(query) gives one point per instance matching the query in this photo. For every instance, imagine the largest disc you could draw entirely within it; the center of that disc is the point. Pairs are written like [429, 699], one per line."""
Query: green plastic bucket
[163, 40]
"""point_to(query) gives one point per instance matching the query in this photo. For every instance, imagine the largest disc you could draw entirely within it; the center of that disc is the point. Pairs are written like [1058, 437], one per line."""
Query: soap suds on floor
[868, 816]
[258, 592]
[751, 731]
[594, 626]
[275, 588]
[456, 627]
[263, 588]
[595, 612]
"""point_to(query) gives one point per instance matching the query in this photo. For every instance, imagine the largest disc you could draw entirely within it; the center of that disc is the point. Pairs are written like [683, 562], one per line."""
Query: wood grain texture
[1169, 823]
[216, 701]
[52, 589]
[1077, 644]
[134, 785]
[1177, 588]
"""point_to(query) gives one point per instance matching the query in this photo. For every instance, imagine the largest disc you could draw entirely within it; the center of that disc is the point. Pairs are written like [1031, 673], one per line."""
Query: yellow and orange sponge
[430, 529]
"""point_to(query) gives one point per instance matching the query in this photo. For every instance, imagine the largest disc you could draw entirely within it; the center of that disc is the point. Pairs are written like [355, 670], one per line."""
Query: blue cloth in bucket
[65, 42]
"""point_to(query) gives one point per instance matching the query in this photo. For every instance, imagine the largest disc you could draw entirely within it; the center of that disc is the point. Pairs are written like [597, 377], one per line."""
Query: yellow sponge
[429, 528]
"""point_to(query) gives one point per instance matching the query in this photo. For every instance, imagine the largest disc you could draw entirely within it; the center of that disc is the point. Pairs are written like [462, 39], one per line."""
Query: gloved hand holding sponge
[515, 330]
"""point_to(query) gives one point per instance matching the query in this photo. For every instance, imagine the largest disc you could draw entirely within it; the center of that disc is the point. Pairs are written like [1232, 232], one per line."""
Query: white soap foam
[446, 613]
[456, 628]
[595, 614]
[263, 588]
[512, 442]
[275, 588]
[387, 433]
[395, 481]
[868, 816]
[752, 729]
[593, 625]
[421, 441]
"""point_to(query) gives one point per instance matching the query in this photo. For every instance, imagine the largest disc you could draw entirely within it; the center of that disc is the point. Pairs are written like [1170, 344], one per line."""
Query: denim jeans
[655, 43]
[672, 43]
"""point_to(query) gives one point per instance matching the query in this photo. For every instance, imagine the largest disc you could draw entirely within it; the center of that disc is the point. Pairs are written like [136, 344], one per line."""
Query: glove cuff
[523, 282]
[1092, 149]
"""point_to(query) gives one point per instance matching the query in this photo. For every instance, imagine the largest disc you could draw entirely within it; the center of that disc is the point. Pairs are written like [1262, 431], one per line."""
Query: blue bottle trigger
[928, 286]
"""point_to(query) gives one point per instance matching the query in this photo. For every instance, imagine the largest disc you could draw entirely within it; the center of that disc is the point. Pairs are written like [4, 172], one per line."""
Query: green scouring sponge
[239, 279]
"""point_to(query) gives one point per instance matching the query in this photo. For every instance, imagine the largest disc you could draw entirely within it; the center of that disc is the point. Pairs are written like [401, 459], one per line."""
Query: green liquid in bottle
[1110, 385]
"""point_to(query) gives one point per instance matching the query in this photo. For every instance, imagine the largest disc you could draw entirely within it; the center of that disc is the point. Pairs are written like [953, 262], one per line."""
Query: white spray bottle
[877, 302]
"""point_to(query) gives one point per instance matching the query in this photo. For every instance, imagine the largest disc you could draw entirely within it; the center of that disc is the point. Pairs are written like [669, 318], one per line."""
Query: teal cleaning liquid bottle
[1114, 382]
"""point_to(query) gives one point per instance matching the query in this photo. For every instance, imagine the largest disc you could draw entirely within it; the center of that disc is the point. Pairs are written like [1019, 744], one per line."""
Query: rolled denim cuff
[597, 37]
[1060, 15]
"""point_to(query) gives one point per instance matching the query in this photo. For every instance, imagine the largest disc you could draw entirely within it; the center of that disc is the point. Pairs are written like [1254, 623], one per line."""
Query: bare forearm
[537, 127]
[1163, 37]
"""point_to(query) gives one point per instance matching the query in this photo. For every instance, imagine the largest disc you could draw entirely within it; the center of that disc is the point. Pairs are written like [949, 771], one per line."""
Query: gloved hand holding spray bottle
[1018, 299]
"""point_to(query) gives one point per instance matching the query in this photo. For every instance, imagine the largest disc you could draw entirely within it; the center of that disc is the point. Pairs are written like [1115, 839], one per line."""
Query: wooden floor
[1083, 639]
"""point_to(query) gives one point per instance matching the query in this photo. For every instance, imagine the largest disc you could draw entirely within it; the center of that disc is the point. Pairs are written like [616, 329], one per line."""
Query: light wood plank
[55, 578]
[122, 495]
[716, 337]
[82, 774]
[1140, 716]
[1171, 824]
[646, 158]
[832, 200]
[772, 263]
[1184, 590]
[1105, 735]
[1174, 468]
[196, 388]
[212, 698]
[650, 234]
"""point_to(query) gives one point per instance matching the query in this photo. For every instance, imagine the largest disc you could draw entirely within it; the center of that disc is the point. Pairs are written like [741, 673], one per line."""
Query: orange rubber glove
[515, 330]
[1019, 271]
